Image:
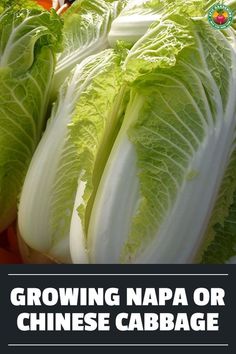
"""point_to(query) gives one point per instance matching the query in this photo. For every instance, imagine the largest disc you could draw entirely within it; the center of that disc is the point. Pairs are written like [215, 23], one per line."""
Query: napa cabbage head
[63, 164]
[94, 168]
[164, 172]
[146, 187]
[29, 40]
[94, 164]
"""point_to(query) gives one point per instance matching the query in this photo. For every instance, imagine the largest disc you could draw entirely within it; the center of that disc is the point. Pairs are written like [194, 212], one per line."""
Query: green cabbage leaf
[85, 31]
[220, 240]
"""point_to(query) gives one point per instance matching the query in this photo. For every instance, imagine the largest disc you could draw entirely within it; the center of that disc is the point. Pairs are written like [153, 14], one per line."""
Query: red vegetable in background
[9, 250]
[47, 4]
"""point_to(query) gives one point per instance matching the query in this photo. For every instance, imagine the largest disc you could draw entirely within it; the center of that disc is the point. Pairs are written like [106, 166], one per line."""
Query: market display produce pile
[118, 132]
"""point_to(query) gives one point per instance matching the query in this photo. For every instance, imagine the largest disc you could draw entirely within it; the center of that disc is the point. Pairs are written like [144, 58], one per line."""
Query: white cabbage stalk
[133, 22]
[43, 213]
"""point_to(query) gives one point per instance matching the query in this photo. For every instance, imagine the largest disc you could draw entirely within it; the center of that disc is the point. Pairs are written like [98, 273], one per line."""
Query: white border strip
[114, 274]
[116, 345]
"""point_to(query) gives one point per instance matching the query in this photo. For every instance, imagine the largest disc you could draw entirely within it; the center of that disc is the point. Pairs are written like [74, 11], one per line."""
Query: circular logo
[220, 16]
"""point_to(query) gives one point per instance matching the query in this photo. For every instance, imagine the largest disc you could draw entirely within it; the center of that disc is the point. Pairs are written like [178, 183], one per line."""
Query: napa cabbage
[59, 163]
[29, 40]
[168, 161]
